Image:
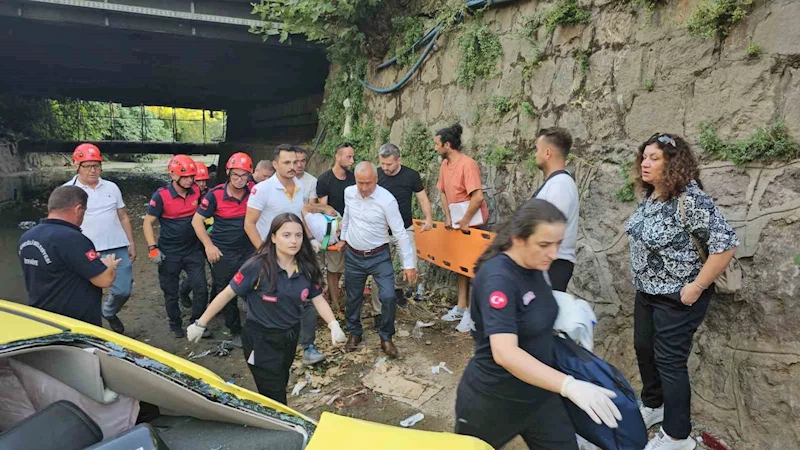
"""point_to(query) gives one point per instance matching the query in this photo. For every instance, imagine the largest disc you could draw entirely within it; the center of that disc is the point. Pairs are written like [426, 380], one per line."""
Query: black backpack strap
[557, 172]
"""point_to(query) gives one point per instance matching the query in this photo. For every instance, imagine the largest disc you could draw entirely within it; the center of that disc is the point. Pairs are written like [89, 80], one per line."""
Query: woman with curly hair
[673, 286]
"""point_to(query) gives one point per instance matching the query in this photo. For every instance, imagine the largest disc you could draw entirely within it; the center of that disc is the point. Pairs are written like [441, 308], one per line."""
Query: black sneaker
[116, 325]
[178, 332]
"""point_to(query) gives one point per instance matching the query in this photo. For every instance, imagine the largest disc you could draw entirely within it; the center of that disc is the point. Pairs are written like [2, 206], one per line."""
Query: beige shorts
[334, 262]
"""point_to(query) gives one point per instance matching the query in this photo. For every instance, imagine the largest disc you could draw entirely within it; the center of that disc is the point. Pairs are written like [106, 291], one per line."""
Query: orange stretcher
[454, 250]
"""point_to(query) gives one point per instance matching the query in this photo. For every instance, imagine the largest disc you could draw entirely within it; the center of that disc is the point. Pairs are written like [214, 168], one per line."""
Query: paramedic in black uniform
[508, 387]
[275, 282]
[63, 272]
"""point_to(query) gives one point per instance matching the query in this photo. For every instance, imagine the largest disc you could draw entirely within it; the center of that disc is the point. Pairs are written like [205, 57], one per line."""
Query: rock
[434, 104]
[564, 81]
[613, 28]
[391, 108]
[661, 110]
[430, 69]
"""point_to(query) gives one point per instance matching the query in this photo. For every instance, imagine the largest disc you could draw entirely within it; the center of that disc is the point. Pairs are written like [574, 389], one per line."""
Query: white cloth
[317, 223]
[576, 319]
[367, 222]
[562, 191]
[101, 223]
[309, 187]
[271, 199]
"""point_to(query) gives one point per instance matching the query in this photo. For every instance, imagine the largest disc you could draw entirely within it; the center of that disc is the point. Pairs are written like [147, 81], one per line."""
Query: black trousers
[543, 425]
[269, 353]
[663, 329]
[221, 274]
[169, 273]
[357, 268]
[560, 273]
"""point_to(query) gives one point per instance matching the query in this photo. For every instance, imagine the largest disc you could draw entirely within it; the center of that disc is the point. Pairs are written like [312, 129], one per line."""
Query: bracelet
[700, 285]
[197, 322]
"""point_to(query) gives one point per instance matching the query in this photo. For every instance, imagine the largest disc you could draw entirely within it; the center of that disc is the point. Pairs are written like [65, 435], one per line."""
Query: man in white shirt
[559, 188]
[370, 212]
[264, 170]
[107, 225]
[308, 181]
[281, 193]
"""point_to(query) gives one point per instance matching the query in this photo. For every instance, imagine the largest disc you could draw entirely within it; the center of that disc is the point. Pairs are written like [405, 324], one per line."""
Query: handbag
[730, 280]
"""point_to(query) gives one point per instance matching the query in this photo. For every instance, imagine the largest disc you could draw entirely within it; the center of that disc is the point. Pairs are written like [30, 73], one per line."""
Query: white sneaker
[467, 324]
[454, 314]
[663, 442]
[651, 416]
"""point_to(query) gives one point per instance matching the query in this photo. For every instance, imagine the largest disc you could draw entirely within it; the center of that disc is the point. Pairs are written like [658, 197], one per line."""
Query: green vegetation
[383, 137]
[649, 5]
[715, 17]
[797, 259]
[765, 144]
[530, 163]
[408, 29]
[527, 109]
[497, 155]
[753, 51]
[417, 147]
[625, 193]
[566, 13]
[449, 12]
[501, 104]
[480, 53]
[649, 84]
[582, 58]
[529, 65]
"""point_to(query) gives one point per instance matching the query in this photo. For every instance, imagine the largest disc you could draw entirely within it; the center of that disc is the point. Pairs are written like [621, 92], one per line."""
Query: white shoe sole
[451, 319]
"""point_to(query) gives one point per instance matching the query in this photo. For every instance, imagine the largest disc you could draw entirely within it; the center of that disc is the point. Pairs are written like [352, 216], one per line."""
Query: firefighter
[178, 248]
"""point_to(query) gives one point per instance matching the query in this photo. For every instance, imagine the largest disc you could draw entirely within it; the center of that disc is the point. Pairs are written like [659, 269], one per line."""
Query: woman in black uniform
[276, 282]
[509, 388]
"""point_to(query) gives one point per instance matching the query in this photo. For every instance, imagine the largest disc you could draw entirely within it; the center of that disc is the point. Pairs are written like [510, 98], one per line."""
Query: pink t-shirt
[459, 179]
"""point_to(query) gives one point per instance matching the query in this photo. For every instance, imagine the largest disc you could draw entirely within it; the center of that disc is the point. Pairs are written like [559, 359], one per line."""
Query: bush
[715, 17]
[501, 105]
[765, 144]
[529, 65]
[527, 108]
[408, 30]
[753, 51]
[480, 53]
[497, 155]
[582, 59]
[566, 13]
[417, 147]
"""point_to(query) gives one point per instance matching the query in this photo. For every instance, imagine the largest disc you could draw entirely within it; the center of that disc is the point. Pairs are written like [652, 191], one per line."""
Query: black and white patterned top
[663, 256]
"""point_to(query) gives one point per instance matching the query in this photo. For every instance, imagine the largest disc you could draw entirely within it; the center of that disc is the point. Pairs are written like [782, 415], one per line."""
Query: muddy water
[23, 197]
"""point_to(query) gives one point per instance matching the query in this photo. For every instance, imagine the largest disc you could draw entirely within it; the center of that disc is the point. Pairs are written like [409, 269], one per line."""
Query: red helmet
[86, 152]
[183, 166]
[202, 172]
[240, 161]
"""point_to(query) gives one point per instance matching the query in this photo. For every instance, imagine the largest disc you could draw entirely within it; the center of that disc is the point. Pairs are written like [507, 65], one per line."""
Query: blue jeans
[356, 270]
[123, 282]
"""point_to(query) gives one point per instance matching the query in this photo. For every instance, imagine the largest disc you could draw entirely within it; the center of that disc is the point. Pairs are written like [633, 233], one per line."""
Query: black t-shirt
[507, 298]
[58, 261]
[175, 215]
[332, 187]
[228, 212]
[403, 186]
[281, 308]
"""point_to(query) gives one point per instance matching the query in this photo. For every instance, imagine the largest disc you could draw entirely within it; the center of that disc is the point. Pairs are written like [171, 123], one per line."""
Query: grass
[527, 109]
[497, 155]
[649, 84]
[753, 51]
[501, 104]
[770, 143]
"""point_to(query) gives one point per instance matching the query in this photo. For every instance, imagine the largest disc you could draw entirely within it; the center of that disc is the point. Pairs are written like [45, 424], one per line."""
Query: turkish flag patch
[267, 298]
[238, 278]
[253, 191]
[204, 203]
[91, 255]
[498, 300]
[153, 203]
[304, 295]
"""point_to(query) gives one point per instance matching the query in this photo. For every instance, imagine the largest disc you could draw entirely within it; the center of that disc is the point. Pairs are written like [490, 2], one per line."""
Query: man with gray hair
[263, 170]
[403, 183]
[370, 212]
[63, 272]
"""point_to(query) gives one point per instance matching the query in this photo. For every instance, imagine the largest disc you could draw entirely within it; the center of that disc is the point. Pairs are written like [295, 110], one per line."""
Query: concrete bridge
[193, 54]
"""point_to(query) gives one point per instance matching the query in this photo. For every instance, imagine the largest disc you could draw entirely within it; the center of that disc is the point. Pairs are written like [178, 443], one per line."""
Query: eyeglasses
[91, 167]
[664, 139]
[239, 175]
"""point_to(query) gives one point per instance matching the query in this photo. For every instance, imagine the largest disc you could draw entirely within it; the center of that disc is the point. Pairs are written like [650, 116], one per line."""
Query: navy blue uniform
[270, 336]
[230, 238]
[182, 250]
[491, 403]
[58, 261]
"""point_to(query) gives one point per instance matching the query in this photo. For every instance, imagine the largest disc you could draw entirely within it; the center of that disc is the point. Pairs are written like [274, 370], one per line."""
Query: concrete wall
[745, 371]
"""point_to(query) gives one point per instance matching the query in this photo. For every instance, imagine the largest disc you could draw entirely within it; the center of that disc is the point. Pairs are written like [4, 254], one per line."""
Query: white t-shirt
[317, 223]
[101, 223]
[562, 191]
[309, 187]
[271, 199]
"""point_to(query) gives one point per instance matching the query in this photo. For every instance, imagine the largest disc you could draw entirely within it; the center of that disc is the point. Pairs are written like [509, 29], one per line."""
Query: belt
[368, 252]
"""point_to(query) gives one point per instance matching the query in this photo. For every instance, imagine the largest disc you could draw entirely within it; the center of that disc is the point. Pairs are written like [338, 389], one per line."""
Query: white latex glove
[195, 332]
[337, 335]
[593, 399]
[315, 245]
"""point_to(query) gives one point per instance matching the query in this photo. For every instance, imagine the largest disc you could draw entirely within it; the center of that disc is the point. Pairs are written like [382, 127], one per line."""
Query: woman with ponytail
[509, 387]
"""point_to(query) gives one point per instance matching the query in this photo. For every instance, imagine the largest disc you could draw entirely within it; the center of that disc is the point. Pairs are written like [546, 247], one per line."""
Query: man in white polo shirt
[107, 225]
[559, 188]
[281, 193]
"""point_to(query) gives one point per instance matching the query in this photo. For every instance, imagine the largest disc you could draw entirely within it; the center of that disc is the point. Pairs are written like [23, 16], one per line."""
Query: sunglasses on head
[664, 139]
